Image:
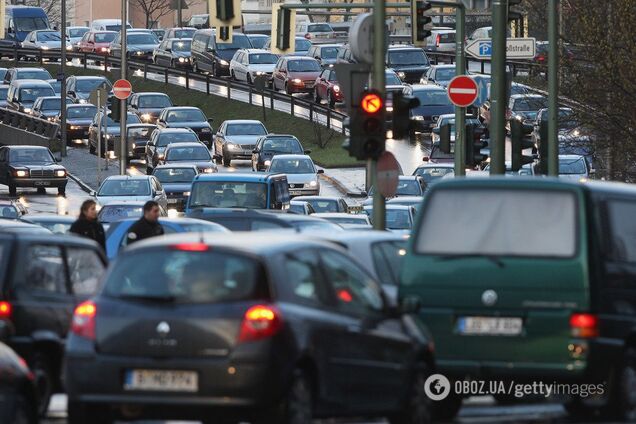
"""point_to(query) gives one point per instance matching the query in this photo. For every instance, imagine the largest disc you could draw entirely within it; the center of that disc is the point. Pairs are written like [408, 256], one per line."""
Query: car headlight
[161, 155]
[519, 118]
[139, 53]
[418, 118]
[336, 88]
[134, 145]
[27, 110]
[267, 163]
[104, 49]
[51, 118]
[21, 173]
[232, 146]
[60, 173]
[576, 133]
[224, 63]
[108, 136]
[208, 170]
[146, 117]
[182, 60]
[82, 101]
[186, 193]
[44, 47]
[205, 130]
[259, 73]
[401, 75]
[69, 47]
[389, 108]
[313, 183]
[297, 81]
[75, 127]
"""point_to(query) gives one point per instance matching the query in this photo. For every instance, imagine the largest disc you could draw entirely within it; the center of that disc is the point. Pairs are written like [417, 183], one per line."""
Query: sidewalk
[349, 181]
[82, 168]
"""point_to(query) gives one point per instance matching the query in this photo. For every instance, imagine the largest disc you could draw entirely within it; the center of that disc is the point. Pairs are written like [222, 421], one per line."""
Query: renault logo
[489, 297]
[163, 328]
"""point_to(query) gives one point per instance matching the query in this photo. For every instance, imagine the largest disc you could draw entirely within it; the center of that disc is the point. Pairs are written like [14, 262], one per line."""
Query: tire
[43, 374]
[214, 70]
[195, 68]
[232, 76]
[287, 90]
[330, 101]
[296, 407]
[13, 191]
[317, 98]
[82, 413]
[417, 409]
[41, 190]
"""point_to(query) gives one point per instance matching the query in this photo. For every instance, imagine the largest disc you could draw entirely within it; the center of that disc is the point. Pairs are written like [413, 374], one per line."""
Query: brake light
[5, 310]
[584, 325]
[191, 247]
[84, 320]
[259, 322]
[541, 58]
[438, 39]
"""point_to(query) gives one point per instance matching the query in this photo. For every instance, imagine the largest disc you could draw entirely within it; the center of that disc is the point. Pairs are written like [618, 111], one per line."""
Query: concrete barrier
[18, 128]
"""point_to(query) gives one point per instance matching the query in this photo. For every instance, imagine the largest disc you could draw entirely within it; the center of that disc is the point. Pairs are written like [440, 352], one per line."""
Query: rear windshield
[81, 112]
[448, 37]
[188, 153]
[186, 277]
[86, 85]
[154, 101]
[496, 221]
[104, 37]
[229, 194]
[34, 74]
[182, 137]
[111, 213]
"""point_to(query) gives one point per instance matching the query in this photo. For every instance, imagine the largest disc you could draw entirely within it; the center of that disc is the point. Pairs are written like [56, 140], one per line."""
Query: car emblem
[489, 297]
[163, 328]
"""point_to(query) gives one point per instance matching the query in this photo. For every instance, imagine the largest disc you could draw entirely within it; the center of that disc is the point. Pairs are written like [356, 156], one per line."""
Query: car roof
[402, 47]
[186, 144]
[436, 165]
[89, 77]
[174, 130]
[236, 176]
[127, 177]
[291, 157]
[241, 121]
[28, 147]
[445, 66]
[152, 93]
[182, 108]
[136, 203]
[256, 51]
[572, 157]
[176, 165]
[179, 39]
[299, 58]
[427, 87]
[49, 218]
[389, 207]
[307, 198]
[21, 82]
[363, 236]
[272, 135]
[339, 215]
[27, 68]
[526, 96]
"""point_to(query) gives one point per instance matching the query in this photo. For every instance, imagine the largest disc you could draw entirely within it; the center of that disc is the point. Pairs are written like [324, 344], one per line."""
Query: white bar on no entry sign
[463, 90]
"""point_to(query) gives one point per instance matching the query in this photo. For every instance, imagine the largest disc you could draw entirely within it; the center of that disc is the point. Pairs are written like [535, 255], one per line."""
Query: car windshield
[112, 213]
[445, 74]
[303, 66]
[77, 32]
[324, 205]
[238, 42]
[530, 104]
[229, 194]
[175, 175]
[316, 226]
[282, 145]
[127, 187]
[396, 219]
[430, 174]
[451, 122]
[56, 85]
[432, 98]
[292, 166]
[40, 74]
[104, 37]
[184, 137]
[3, 93]
[245, 129]
[302, 44]
[389, 253]
[140, 133]
[154, 101]
[52, 104]
[181, 276]
[319, 28]
[572, 166]
[30, 24]
[185, 115]
[184, 33]
[132, 119]
[391, 78]
[30, 94]
[408, 188]
[263, 59]
[8, 212]
[142, 39]
[116, 27]
[188, 153]
[49, 36]
[81, 112]
[88, 85]
[329, 52]
[30, 156]
[181, 45]
[352, 219]
[408, 57]
[258, 42]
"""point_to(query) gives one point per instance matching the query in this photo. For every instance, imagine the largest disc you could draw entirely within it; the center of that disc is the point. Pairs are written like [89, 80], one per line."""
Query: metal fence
[18, 128]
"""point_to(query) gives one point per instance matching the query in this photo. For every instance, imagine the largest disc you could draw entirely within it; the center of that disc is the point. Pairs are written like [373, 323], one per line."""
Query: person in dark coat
[148, 225]
[87, 225]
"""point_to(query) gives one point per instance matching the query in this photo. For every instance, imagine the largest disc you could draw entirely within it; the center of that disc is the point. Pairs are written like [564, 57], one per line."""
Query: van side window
[281, 194]
[622, 242]
[85, 269]
[45, 269]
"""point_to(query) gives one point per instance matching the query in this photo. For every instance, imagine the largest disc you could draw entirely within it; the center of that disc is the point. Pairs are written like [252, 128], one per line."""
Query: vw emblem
[489, 297]
[163, 328]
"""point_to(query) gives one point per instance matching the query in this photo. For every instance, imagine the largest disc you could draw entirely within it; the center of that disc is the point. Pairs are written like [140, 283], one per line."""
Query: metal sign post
[498, 89]
[99, 139]
[124, 72]
[553, 88]
[378, 77]
[460, 112]
[63, 79]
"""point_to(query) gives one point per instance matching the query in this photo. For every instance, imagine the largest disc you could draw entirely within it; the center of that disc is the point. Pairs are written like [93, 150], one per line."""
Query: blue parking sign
[485, 48]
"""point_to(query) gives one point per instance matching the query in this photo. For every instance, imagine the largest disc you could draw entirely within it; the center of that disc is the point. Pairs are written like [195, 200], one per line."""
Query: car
[242, 219]
[56, 85]
[31, 166]
[10, 209]
[248, 64]
[22, 93]
[271, 145]
[4, 91]
[528, 169]
[441, 40]
[15, 226]
[57, 224]
[236, 190]
[96, 42]
[574, 167]
[48, 107]
[159, 33]
[199, 21]
[346, 220]
[18, 394]
[174, 53]
[301, 173]
[108, 131]
[574, 137]
[176, 180]
[325, 203]
[433, 102]
[148, 105]
[439, 74]
[117, 240]
[127, 188]
[282, 313]
[399, 218]
[409, 62]
[30, 73]
[432, 172]
[160, 139]
[408, 185]
[43, 40]
[210, 56]
[237, 138]
[327, 87]
[117, 210]
[113, 25]
[301, 46]
[295, 74]
[525, 107]
[187, 117]
[195, 153]
[140, 44]
[449, 119]
[415, 201]
[21, 20]
[181, 32]
[75, 33]
[78, 120]
[485, 104]
[325, 54]
[258, 40]
[316, 32]
[301, 207]
[50, 275]
[137, 137]
[80, 87]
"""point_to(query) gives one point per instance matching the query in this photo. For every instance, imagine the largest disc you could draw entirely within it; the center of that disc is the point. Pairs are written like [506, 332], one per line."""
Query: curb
[341, 187]
[88, 189]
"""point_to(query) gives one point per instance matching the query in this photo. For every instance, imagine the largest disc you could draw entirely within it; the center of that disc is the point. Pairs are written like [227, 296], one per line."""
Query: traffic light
[421, 21]
[115, 109]
[401, 124]
[367, 132]
[445, 138]
[519, 142]
[224, 10]
[283, 29]
[512, 14]
[543, 147]
[473, 147]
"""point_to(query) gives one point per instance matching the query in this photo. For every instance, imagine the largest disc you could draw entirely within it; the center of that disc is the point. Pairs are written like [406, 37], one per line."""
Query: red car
[97, 42]
[296, 74]
[327, 88]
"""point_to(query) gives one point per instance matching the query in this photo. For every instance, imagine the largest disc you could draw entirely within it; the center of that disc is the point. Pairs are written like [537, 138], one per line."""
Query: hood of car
[269, 68]
[528, 115]
[104, 200]
[37, 166]
[151, 110]
[242, 139]
[201, 164]
[305, 76]
[433, 110]
[79, 121]
[193, 125]
[301, 178]
[410, 68]
[141, 47]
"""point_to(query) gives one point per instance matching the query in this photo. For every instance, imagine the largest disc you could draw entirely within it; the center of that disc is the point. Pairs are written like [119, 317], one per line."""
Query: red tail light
[541, 58]
[308, 36]
[438, 39]
[259, 322]
[191, 247]
[584, 325]
[84, 320]
[5, 310]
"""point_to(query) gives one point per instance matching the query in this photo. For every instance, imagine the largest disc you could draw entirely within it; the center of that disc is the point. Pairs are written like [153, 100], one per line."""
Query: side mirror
[210, 121]
[592, 171]
[92, 193]
[410, 305]
[307, 151]
[320, 171]
[10, 30]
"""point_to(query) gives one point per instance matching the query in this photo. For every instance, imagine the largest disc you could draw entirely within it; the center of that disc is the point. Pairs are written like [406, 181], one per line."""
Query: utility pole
[179, 13]
[124, 69]
[460, 112]
[378, 77]
[498, 88]
[553, 88]
[63, 76]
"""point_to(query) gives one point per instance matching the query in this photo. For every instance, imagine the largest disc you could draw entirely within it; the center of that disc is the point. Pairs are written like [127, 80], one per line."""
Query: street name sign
[516, 48]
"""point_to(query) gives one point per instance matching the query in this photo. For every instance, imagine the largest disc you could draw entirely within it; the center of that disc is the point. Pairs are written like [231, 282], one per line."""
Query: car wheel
[43, 376]
[417, 408]
[214, 70]
[82, 413]
[12, 189]
[317, 98]
[287, 89]
[297, 404]
[232, 76]
[195, 68]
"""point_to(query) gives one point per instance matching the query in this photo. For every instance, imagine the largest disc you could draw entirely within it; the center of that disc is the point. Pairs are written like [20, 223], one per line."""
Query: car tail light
[259, 322]
[308, 36]
[541, 58]
[5, 310]
[191, 247]
[84, 320]
[438, 39]
[584, 325]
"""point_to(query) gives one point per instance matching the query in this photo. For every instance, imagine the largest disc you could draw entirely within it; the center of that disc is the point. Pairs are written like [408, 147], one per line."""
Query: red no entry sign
[462, 91]
[388, 171]
[122, 89]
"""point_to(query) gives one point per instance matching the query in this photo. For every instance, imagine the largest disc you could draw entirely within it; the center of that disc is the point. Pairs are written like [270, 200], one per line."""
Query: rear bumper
[177, 202]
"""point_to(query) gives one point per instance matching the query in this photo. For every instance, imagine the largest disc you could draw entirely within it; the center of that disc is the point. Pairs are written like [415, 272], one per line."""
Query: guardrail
[18, 128]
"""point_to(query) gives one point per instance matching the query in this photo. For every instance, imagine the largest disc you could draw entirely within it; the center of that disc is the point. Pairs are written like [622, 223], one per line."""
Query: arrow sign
[516, 48]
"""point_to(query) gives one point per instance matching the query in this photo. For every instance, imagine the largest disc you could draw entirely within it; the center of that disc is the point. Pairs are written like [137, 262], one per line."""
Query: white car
[302, 175]
[348, 221]
[126, 188]
[75, 33]
[247, 64]
[45, 39]
[399, 218]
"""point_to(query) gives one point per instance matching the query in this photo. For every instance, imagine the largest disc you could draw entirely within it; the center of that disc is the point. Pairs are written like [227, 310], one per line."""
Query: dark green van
[524, 280]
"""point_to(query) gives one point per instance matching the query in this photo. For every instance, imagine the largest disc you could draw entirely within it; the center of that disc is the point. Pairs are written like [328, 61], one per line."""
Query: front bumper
[241, 153]
[39, 182]
[76, 133]
[177, 201]
[299, 88]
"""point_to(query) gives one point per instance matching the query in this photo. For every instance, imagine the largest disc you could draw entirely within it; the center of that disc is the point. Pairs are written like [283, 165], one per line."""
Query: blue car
[433, 102]
[116, 234]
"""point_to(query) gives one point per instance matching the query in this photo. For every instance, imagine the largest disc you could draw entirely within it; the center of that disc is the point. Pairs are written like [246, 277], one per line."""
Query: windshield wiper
[492, 258]
[148, 298]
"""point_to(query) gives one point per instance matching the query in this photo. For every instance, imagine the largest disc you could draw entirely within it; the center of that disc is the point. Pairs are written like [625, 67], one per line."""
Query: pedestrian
[148, 225]
[87, 225]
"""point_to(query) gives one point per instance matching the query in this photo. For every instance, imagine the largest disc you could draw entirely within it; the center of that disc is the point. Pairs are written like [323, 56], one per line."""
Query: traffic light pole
[498, 88]
[553, 88]
[63, 82]
[123, 112]
[460, 112]
[378, 83]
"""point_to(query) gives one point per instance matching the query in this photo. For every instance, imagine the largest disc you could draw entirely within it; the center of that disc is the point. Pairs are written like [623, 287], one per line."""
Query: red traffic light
[372, 103]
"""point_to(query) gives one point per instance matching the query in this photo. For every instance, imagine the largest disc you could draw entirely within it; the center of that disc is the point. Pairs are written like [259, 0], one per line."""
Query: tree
[156, 9]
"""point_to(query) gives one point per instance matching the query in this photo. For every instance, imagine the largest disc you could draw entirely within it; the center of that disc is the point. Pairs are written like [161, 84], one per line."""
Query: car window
[85, 270]
[387, 259]
[622, 243]
[303, 281]
[355, 291]
[45, 269]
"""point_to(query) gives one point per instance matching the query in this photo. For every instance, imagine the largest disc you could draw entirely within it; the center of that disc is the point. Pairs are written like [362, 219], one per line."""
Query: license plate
[164, 381]
[489, 326]
[42, 183]
[294, 193]
[173, 200]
